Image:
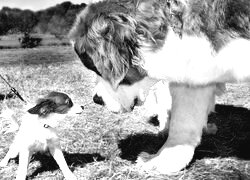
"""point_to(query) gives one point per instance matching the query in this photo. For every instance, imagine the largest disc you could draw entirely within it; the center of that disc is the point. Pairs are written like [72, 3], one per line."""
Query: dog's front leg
[57, 154]
[24, 158]
[164, 106]
[158, 102]
[12, 153]
[190, 108]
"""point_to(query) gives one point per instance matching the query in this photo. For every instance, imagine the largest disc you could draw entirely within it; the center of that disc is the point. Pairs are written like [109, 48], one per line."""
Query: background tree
[55, 20]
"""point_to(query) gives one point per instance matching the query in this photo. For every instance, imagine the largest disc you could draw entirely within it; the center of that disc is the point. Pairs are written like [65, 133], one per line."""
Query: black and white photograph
[125, 89]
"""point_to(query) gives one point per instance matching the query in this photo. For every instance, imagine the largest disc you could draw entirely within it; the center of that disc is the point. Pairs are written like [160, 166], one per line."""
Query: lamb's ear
[43, 108]
[116, 46]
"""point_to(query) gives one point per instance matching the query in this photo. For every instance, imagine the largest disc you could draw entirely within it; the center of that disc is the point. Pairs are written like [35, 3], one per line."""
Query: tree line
[55, 20]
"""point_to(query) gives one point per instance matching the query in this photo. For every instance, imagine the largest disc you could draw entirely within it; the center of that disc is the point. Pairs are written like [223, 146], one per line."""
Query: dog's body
[132, 44]
[38, 133]
[158, 105]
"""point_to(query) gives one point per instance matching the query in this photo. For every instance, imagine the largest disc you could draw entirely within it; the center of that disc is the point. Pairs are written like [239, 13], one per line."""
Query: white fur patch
[122, 99]
[76, 109]
[104, 90]
[191, 60]
[169, 159]
[158, 102]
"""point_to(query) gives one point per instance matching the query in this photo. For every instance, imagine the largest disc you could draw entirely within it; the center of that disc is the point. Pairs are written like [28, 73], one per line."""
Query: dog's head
[108, 35]
[125, 97]
[55, 103]
[104, 39]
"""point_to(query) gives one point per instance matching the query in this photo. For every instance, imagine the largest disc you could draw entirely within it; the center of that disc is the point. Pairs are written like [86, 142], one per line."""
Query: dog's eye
[124, 19]
[69, 102]
[105, 31]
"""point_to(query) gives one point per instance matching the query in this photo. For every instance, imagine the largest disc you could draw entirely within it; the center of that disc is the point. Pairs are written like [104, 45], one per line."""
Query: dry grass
[102, 145]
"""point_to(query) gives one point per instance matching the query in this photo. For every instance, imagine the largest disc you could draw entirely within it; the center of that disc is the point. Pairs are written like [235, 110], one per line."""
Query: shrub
[29, 42]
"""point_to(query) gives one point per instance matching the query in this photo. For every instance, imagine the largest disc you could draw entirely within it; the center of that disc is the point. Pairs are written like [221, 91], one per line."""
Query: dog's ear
[109, 42]
[117, 46]
[43, 107]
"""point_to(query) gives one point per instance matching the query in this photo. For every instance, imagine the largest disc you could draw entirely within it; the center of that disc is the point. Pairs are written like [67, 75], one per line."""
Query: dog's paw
[169, 160]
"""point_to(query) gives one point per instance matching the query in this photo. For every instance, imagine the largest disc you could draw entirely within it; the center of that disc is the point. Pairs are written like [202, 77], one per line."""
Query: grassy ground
[102, 145]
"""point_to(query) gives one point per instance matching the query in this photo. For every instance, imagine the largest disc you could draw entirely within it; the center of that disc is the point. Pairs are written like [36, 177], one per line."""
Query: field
[12, 42]
[102, 145]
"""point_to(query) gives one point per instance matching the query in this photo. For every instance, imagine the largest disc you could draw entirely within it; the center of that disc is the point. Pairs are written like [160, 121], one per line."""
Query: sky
[37, 4]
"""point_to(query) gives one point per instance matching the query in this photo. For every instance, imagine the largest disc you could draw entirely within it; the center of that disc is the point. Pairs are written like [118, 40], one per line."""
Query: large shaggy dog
[193, 44]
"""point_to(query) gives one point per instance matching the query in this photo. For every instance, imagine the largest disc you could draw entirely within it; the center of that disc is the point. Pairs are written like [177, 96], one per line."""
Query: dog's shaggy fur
[38, 133]
[193, 44]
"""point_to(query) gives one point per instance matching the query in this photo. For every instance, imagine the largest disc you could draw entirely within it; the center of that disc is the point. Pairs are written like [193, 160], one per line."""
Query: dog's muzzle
[98, 100]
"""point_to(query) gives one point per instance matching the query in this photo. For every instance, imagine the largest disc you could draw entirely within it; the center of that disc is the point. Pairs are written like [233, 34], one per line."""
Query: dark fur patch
[55, 102]
[86, 60]
[219, 20]
[133, 75]
[43, 108]
[109, 33]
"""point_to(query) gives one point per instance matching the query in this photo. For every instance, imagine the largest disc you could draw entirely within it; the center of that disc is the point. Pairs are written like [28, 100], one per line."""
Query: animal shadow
[232, 138]
[73, 160]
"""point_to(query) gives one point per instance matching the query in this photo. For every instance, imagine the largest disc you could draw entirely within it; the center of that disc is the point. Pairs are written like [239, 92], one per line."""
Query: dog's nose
[134, 104]
[136, 101]
[82, 107]
[98, 100]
